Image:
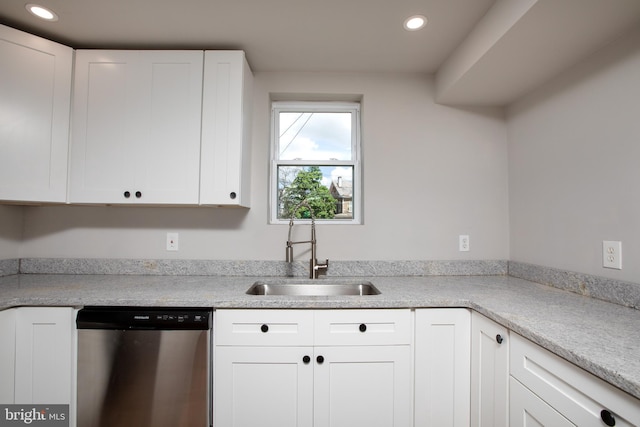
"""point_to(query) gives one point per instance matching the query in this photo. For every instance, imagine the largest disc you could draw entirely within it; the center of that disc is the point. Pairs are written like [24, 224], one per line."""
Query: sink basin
[314, 288]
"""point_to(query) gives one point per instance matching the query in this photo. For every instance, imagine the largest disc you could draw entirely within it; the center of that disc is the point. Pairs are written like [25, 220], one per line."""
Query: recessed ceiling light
[41, 12]
[415, 22]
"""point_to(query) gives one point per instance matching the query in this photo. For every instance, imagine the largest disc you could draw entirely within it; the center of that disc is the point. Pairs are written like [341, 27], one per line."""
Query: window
[315, 152]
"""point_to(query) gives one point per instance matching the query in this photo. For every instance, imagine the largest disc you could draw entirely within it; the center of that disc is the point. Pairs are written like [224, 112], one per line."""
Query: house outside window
[315, 156]
[342, 191]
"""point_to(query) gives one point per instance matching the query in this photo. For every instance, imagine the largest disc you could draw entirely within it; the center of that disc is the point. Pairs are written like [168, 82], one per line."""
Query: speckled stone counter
[601, 337]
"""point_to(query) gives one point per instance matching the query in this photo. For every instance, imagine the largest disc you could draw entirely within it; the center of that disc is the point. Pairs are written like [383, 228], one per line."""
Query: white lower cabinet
[362, 386]
[44, 355]
[489, 373]
[7, 355]
[39, 343]
[528, 410]
[573, 393]
[442, 367]
[344, 368]
[264, 386]
[278, 377]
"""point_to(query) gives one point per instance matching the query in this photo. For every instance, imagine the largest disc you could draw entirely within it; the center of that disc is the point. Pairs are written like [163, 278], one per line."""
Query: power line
[298, 132]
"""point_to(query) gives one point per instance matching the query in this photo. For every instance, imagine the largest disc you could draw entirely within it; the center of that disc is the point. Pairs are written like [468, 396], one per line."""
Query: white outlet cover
[612, 254]
[463, 243]
[172, 241]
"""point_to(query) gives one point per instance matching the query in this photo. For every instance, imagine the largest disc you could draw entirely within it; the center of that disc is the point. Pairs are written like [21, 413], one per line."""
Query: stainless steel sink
[313, 288]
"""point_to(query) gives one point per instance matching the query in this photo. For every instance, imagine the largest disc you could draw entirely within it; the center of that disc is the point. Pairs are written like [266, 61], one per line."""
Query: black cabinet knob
[306, 360]
[499, 339]
[363, 327]
[320, 360]
[138, 194]
[607, 418]
[232, 195]
[264, 328]
[127, 194]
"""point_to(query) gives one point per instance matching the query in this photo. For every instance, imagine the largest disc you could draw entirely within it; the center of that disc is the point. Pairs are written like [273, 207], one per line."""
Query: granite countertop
[601, 337]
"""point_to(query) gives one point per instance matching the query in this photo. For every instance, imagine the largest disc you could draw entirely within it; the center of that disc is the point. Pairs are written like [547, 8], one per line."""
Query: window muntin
[315, 156]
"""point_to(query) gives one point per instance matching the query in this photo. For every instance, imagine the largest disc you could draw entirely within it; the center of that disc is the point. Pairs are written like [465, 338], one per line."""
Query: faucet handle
[317, 267]
[321, 266]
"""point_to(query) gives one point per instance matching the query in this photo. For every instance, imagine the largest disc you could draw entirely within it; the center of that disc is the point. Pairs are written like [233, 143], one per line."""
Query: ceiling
[470, 45]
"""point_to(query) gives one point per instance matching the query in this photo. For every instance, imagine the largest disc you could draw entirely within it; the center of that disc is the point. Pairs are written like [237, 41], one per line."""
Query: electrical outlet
[612, 254]
[463, 243]
[172, 241]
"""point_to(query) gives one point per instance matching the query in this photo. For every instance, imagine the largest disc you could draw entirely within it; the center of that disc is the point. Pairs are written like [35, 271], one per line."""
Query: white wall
[430, 173]
[574, 165]
[11, 226]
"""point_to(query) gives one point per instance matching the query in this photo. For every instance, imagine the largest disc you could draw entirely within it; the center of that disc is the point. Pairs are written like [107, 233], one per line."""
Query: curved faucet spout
[314, 266]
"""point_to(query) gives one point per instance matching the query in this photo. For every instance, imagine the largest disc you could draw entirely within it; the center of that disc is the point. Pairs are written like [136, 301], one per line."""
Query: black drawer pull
[306, 360]
[138, 194]
[363, 327]
[499, 339]
[264, 328]
[607, 418]
[127, 194]
[320, 360]
[232, 195]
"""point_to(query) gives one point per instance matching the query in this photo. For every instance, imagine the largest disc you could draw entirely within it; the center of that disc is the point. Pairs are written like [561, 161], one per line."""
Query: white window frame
[355, 162]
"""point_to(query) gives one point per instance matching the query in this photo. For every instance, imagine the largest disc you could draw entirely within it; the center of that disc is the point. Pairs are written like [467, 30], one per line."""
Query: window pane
[329, 190]
[314, 136]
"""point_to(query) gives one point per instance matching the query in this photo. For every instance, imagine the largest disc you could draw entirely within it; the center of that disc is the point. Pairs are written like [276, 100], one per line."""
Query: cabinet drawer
[263, 327]
[575, 393]
[363, 327]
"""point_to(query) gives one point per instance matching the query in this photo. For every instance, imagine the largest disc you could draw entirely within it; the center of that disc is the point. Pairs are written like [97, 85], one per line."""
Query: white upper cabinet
[35, 96]
[136, 127]
[226, 129]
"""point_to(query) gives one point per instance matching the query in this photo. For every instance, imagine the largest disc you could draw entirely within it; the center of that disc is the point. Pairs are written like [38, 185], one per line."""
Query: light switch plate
[612, 254]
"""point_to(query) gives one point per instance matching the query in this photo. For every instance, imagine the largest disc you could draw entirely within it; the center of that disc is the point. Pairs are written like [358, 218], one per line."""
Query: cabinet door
[7, 355]
[105, 117]
[442, 367]
[489, 373]
[168, 151]
[44, 355]
[576, 394]
[136, 127]
[226, 129]
[362, 386]
[35, 89]
[263, 386]
[528, 410]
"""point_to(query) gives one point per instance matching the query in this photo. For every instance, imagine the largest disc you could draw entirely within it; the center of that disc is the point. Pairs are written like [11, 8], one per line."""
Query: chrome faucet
[314, 267]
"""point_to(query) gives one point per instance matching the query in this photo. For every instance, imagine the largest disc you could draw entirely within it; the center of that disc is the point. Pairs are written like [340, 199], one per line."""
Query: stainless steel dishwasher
[144, 367]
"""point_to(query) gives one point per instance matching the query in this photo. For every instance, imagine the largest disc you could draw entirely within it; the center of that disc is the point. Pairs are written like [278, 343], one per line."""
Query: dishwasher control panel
[165, 318]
